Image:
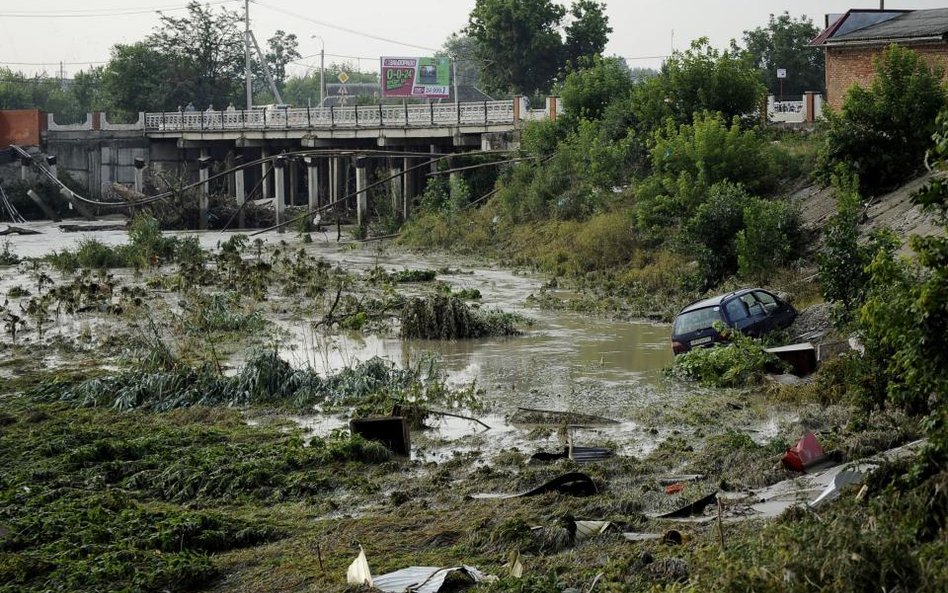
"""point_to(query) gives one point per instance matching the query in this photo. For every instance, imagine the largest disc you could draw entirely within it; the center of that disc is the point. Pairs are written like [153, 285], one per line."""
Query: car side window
[754, 308]
[770, 304]
[736, 310]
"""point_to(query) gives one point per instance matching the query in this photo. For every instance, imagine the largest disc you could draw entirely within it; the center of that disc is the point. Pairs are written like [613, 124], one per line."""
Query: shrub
[710, 233]
[771, 238]
[882, 132]
[738, 364]
[586, 92]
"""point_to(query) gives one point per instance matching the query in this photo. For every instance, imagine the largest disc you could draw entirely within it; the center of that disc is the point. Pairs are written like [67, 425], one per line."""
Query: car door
[779, 313]
[757, 322]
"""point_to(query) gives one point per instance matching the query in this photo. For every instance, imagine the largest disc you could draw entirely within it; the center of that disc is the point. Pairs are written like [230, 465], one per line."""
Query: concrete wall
[96, 160]
[23, 127]
[854, 65]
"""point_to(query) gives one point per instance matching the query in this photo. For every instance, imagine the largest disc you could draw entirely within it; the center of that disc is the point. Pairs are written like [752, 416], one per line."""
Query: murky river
[564, 361]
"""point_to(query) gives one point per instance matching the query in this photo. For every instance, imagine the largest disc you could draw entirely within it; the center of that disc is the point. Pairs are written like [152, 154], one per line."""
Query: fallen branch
[438, 413]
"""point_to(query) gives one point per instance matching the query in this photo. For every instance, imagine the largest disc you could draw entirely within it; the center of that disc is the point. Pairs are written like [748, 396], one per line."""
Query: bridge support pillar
[240, 191]
[294, 177]
[362, 198]
[204, 169]
[312, 182]
[408, 186]
[265, 167]
[397, 190]
[279, 198]
[335, 176]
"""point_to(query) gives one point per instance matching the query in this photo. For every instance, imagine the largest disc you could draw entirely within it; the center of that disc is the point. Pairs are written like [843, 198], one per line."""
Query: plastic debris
[577, 454]
[674, 488]
[514, 566]
[358, 572]
[806, 452]
[690, 509]
[423, 579]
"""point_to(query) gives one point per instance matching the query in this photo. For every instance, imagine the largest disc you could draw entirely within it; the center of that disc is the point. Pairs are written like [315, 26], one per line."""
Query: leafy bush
[587, 92]
[449, 318]
[771, 238]
[710, 233]
[740, 363]
[882, 132]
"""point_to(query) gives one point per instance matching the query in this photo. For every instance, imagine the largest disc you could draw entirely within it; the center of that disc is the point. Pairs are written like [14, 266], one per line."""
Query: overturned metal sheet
[422, 579]
[577, 454]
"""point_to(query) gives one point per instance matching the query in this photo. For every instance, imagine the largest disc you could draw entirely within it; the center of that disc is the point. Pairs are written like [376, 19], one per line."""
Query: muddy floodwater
[564, 361]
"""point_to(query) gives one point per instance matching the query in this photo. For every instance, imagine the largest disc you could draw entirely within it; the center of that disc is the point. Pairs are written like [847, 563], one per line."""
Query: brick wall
[848, 66]
[23, 127]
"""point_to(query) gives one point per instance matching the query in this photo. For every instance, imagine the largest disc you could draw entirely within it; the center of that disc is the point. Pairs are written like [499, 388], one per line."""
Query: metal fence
[364, 116]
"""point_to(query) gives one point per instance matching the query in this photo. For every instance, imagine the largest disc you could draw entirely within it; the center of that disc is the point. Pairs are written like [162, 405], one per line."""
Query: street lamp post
[322, 69]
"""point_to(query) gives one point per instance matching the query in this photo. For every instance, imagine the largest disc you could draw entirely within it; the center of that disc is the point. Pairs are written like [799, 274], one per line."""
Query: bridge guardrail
[362, 116]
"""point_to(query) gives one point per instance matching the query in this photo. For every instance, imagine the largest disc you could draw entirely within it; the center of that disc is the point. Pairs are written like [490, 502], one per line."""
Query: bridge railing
[362, 116]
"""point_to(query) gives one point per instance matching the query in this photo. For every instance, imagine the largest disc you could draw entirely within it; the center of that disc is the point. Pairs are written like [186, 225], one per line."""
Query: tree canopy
[519, 44]
[785, 43]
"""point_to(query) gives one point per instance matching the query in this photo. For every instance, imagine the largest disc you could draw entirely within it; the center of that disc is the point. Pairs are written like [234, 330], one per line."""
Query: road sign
[781, 73]
[343, 77]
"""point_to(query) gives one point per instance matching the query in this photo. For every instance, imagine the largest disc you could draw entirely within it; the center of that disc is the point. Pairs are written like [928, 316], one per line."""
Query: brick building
[853, 40]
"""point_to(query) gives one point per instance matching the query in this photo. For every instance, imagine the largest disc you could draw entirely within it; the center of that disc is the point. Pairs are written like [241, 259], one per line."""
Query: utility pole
[322, 69]
[247, 74]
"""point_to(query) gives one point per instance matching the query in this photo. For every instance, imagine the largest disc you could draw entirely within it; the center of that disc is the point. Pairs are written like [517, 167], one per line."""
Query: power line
[57, 63]
[341, 28]
[100, 12]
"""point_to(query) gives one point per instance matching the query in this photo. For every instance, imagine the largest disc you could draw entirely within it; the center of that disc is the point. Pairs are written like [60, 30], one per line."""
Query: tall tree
[138, 78]
[281, 50]
[518, 43]
[784, 43]
[463, 50]
[588, 32]
[205, 51]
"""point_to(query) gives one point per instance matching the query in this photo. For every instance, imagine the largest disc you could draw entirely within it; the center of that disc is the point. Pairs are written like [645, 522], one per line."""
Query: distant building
[853, 40]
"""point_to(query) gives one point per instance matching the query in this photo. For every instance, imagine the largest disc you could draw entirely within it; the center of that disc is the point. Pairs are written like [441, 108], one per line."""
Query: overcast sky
[39, 34]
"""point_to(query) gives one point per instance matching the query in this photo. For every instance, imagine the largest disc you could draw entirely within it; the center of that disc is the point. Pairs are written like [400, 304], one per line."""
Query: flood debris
[391, 431]
[691, 509]
[358, 572]
[513, 566]
[427, 579]
[557, 418]
[586, 529]
[16, 230]
[449, 318]
[811, 489]
[577, 454]
[801, 357]
[806, 453]
[672, 537]
[669, 480]
[571, 484]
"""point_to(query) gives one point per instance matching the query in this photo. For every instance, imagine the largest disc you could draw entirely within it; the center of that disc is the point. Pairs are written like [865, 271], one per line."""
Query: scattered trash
[424, 579]
[90, 228]
[15, 230]
[812, 489]
[391, 431]
[690, 509]
[801, 357]
[806, 453]
[588, 529]
[674, 488]
[670, 537]
[577, 454]
[573, 484]
[514, 567]
[358, 572]
[415, 579]
[668, 480]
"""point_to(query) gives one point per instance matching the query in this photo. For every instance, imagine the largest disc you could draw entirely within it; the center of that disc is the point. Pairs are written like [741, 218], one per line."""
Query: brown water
[565, 361]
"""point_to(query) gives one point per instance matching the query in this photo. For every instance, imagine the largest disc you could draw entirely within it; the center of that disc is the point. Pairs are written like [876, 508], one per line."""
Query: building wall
[23, 127]
[854, 65]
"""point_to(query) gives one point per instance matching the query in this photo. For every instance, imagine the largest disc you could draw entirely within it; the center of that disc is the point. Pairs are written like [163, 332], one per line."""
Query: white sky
[37, 35]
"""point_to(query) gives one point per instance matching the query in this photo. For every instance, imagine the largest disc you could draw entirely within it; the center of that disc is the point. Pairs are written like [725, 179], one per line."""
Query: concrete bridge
[351, 145]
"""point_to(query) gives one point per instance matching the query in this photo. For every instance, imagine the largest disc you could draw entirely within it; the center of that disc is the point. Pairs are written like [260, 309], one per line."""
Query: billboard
[421, 78]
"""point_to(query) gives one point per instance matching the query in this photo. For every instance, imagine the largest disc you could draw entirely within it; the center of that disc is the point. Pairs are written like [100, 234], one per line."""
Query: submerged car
[751, 311]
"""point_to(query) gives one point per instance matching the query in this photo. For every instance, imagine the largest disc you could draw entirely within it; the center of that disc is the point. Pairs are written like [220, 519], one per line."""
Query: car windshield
[698, 319]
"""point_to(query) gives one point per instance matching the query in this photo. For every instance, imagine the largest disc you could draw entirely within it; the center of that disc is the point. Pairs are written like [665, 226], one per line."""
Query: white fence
[365, 116]
[794, 112]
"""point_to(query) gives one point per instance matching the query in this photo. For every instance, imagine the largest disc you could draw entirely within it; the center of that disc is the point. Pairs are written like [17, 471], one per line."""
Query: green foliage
[785, 43]
[519, 44]
[449, 318]
[697, 80]
[740, 363]
[587, 91]
[771, 238]
[690, 158]
[710, 233]
[882, 132]
[7, 256]
[541, 137]
[842, 259]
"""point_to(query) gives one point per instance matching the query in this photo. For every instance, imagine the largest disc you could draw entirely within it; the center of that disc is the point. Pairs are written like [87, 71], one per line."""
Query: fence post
[458, 105]
[381, 121]
[431, 105]
[332, 116]
[405, 103]
[356, 115]
[485, 113]
[309, 120]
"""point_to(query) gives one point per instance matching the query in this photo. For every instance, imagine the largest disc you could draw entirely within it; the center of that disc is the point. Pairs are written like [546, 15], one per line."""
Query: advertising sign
[421, 78]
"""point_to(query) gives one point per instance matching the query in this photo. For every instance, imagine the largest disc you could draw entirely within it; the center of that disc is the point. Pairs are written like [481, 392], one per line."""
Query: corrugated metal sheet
[421, 579]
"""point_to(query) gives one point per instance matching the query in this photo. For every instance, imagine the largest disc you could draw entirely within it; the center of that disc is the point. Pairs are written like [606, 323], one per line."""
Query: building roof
[885, 26]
